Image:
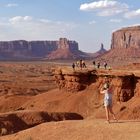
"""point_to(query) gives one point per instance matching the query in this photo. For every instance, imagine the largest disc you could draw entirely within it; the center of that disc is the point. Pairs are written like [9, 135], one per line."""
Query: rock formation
[14, 122]
[101, 51]
[126, 38]
[34, 50]
[98, 53]
[21, 49]
[26, 49]
[125, 46]
[125, 83]
[67, 50]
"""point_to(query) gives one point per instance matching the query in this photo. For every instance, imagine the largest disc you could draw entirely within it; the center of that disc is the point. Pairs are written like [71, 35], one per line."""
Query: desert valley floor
[33, 107]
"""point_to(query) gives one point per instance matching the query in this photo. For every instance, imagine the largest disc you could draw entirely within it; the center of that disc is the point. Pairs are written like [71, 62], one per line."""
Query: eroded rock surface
[126, 38]
[125, 83]
[125, 47]
[22, 49]
[17, 121]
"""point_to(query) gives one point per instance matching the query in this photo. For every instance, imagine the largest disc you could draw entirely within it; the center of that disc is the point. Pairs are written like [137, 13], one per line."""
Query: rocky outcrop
[126, 84]
[17, 121]
[125, 47]
[26, 49]
[126, 38]
[21, 49]
[99, 52]
[72, 81]
[66, 44]
[65, 53]
[67, 50]
[102, 50]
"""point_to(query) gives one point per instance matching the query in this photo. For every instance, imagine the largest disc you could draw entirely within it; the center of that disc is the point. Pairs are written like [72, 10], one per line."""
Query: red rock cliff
[125, 47]
[126, 83]
[22, 49]
[126, 38]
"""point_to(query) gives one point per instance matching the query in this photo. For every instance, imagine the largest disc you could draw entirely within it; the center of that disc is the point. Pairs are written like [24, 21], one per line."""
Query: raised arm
[102, 91]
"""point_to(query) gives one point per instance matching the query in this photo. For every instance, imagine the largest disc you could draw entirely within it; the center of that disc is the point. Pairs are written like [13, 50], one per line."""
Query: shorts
[107, 102]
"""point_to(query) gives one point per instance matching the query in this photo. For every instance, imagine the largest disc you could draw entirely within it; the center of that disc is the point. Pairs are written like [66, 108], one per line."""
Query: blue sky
[89, 22]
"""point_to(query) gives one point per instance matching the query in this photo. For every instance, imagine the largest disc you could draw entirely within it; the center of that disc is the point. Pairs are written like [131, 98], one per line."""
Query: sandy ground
[80, 130]
[30, 86]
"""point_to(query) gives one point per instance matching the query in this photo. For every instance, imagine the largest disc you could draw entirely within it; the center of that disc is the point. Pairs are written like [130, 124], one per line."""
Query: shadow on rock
[14, 122]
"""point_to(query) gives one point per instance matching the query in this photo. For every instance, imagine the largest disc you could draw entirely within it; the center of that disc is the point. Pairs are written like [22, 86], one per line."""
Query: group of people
[79, 64]
[98, 65]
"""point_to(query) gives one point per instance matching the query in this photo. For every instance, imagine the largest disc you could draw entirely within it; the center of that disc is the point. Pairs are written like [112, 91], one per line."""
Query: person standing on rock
[94, 64]
[81, 64]
[107, 91]
[73, 66]
[105, 65]
[98, 65]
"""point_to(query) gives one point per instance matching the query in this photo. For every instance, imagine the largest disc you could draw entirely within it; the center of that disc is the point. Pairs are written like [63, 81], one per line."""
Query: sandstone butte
[44, 50]
[77, 108]
[38, 50]
[125, 47]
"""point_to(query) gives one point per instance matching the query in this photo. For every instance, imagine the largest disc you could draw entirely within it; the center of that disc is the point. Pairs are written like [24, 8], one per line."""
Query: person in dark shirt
[98, 65]
[73, 66]
[94, 64]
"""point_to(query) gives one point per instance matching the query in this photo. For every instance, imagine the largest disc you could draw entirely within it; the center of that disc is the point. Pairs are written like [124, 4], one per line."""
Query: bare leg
[107, 112]
[111, 111]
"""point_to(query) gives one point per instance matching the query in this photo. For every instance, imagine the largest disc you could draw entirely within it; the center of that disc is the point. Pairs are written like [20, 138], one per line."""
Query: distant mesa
[98, 53]
[125, 46]
[67, 50]
[28, 50]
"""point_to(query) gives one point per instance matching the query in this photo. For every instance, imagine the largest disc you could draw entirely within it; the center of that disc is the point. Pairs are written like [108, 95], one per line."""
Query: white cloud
[19, 19]
[11, 5]
[110, 12]
[115, 20]
[92, 22]
[98, 5]
[132, 14]
[45, 20]
[30, 28]
[105, 7]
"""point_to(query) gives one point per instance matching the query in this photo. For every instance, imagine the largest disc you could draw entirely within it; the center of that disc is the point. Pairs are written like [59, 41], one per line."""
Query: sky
[89, 22]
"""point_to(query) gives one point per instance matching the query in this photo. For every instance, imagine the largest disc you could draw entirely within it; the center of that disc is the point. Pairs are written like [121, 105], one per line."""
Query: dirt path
[80, 130]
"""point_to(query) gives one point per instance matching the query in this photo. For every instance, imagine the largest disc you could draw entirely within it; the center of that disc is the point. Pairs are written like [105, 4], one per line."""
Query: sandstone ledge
[126, 83]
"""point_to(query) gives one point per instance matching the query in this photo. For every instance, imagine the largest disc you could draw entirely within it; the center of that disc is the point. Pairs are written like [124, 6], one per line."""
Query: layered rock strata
[125, 47]
[126, 38]
[34, 49]
[126, 84]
